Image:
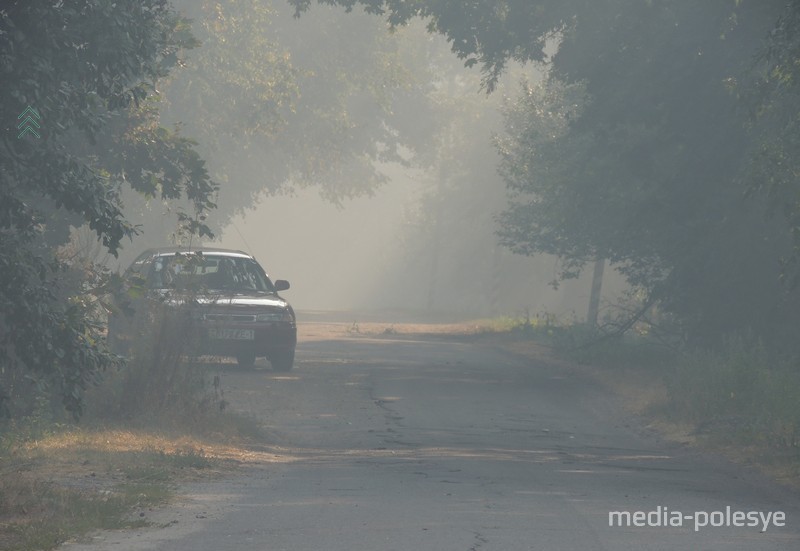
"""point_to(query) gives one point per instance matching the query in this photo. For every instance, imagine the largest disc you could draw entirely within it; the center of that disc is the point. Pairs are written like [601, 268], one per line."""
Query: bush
[162, 382]
[740, 389]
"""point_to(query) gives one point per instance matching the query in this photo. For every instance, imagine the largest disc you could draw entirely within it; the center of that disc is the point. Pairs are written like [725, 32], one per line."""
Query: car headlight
[277, 315]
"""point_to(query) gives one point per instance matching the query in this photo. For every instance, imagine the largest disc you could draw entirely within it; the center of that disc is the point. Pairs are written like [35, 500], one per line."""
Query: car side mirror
[281, 284]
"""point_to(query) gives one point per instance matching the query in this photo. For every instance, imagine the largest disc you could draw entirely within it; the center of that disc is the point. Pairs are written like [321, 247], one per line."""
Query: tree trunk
[597, 286]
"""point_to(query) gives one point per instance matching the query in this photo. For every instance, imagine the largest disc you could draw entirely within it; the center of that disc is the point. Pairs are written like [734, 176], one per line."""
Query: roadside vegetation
[59, 483]
[158, 420]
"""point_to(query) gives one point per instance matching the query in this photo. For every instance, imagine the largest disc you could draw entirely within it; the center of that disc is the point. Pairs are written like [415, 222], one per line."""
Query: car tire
[246, 359]
[282, 361]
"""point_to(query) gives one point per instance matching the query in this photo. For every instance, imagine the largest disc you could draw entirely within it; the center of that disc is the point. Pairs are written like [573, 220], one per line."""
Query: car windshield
[208, 272]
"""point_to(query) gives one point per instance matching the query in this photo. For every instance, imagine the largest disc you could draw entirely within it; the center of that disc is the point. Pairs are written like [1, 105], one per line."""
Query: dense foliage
[663, 139]
[277, 104]
[647, 167]
[271, 107]
[87, 67]
[774, 101]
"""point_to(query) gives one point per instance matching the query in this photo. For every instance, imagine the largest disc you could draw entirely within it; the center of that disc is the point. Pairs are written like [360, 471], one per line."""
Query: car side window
[257, 279]
[156, 279]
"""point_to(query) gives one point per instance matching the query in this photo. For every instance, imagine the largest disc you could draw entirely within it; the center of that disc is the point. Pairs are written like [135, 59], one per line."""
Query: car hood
[255, 300]
[268, 301]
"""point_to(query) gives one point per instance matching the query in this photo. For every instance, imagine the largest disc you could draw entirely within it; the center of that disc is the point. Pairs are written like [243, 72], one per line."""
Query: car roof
[172, 251]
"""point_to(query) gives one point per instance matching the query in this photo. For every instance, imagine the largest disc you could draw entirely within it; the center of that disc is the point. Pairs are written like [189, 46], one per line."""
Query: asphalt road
[395, 443]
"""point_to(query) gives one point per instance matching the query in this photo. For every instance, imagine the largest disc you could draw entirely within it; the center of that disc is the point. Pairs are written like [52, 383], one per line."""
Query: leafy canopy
[664, 140]
[87, 67]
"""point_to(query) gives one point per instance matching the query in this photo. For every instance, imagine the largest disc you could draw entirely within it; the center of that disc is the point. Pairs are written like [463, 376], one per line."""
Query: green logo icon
[29, 118]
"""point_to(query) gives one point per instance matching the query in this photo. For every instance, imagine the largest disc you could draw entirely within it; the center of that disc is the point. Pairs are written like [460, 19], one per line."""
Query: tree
[278, 104]
[646, 164]
[772, 95]
[485, 32]
[87, 68]
[648, 174]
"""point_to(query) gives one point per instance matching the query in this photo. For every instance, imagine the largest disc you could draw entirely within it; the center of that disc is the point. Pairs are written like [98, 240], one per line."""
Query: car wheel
[282, 361]
[246, 359]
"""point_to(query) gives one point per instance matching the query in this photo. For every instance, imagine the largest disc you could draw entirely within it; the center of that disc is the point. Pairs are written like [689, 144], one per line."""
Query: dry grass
[40, 514]
[316, 331]
[68, 483]
[78, 443]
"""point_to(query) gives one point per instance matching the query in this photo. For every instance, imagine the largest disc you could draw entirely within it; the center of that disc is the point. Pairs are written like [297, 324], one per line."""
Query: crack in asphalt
[480, 539]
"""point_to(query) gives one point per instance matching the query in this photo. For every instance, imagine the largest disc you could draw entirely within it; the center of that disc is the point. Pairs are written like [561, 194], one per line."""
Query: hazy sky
[338, 258]
[330, 255]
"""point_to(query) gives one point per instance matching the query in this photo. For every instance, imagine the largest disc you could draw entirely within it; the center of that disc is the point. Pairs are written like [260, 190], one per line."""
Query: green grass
[543, 328]
[581, 343]
[69, 481]
[40, 515]
[154, 467]
[740, 392]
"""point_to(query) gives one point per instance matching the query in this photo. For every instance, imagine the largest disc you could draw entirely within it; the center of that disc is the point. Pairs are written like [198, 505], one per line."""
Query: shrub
[740, 389]
[162, 382]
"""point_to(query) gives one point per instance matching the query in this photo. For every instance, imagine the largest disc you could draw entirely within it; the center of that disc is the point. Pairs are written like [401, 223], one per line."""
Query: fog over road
[426, 443]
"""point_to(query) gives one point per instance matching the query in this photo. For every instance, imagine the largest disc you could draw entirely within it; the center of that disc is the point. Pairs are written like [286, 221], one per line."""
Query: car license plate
[232, 334]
